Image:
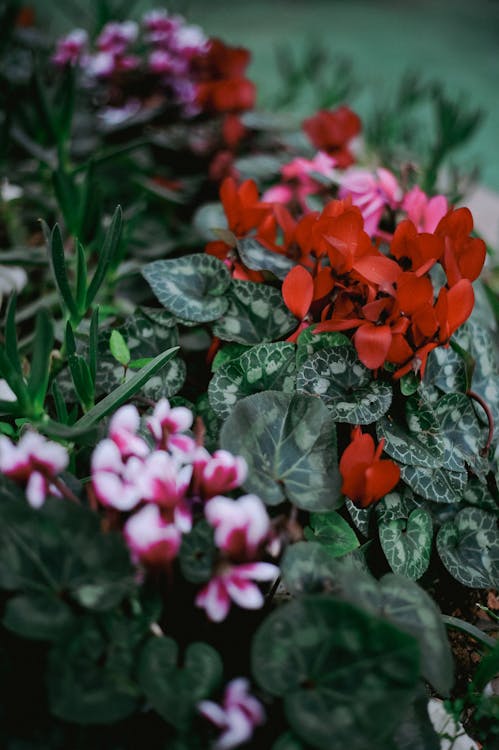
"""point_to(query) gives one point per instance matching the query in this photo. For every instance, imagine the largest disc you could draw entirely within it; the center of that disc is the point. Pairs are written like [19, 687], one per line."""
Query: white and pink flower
[165, 424]
[164, 482]
[237, 717]
[235, 583]
[34, 460]
[241, 526]
[123, 428]
[218, 473]
[115, 481]
[115, 37]
[70, 48]
[299, 181]
[151, 539]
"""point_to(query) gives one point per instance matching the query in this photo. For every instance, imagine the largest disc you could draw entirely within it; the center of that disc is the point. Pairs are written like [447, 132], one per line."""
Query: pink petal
[214, 599]
[243, 592]
[258, 571]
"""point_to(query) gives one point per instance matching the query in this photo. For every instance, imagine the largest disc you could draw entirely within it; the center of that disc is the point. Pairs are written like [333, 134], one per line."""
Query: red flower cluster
[344, 282]
[366, 477]
[332, 131]
[222, 85]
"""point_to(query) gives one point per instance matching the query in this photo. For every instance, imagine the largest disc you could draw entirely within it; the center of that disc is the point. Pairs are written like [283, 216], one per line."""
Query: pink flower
[162, 62]
[241, 526]
[70, 48]
[218, 473]
[300, 173]
[190, 40]
[34, 460]
[424, 212]
[160, 26]
[371, 192]
[166, 422]
[123, 428]
[115, 37]
[150, 538]
[235, 582]
[238, 715]
[115, 482]
[164, 482]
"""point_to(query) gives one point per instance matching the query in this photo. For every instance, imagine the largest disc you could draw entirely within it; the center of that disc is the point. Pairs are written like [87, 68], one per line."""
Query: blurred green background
[454, 41]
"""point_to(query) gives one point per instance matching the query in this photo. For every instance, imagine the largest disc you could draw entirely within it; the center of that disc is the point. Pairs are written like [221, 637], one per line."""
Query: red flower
[331, 131]
[366, 477]
[222, 86]
[464, 256]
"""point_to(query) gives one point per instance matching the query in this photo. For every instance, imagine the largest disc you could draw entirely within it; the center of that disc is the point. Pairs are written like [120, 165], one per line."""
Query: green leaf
[256, 256]
[58, 263]
[308, 568]
[40, 360]
[341, 673]
[198, 553]
[344, 385]
[464, 435]
[37, 616]
[487, 669]
[263, 367]
[288, 741]
[309, 342]
[422, 444]
[255, 313]
[119, 349]
[82, 380]
[173, 691]
[81, 278]
[437, 485]
[193, 287]
[469, 548]
[11, 349]
[93, 339]
[406, 542]
[333, 532]
[226, 354]
[416, 731]
[289, 442]
[67, 197]
[106, 256]
[360, 516]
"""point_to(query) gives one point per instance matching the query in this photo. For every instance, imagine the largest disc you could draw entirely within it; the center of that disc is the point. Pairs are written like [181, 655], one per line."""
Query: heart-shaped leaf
[406, 543]
[289, 443]
[344, 385]
[256, 256]
[469, 548]
[333, 532]
[192, 287]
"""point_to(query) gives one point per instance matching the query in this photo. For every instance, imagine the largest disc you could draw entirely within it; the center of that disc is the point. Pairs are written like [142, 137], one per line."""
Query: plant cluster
[248, 464]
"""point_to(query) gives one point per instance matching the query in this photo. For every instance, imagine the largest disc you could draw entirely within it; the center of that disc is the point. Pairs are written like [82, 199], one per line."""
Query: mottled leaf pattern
[310, 342]
[435, 484]
[360, 516]
[406, 543]
[261, 368]
[192, 287]
[257, 257]
[255, 313]
[344, 385]
[289, 442]
[464, 437]
[469, 548]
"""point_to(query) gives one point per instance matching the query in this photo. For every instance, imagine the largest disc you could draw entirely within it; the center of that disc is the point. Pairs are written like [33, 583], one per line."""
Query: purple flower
[235, 583]
[160, 26]
[70, 48]
[152, 539]
[34, 460]
[218, 473]
[162, 62]
[241, 526]
[190, 41]
[237, 717]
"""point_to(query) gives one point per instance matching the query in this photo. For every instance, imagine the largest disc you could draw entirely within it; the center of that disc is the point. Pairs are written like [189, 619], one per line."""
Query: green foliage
[289, 443]
[340, 671]
[469, 547]
[198, 553]
[405, 533]
[174, 691]
[256, 256]
[333, 532]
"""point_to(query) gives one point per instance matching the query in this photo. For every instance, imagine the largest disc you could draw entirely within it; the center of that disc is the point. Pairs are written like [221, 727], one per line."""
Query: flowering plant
[248, 473]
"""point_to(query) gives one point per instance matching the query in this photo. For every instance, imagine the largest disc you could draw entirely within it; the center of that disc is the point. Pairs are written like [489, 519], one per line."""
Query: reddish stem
[476, 397]
[64, 490]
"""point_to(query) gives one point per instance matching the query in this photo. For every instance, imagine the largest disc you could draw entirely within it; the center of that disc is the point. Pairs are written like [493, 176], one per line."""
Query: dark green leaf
[344, 385]
[333, 532]
[407, 541]
[469, 548]
[342, 673]
[37, 616]
[289, 442]
[193, 287]
[40, 360]
[81, 278]
[11, 335]
[309, 342]
[256, 313]
[106, 256]
[256, 256]
[198, 553]
[308, 568]
[59, 270]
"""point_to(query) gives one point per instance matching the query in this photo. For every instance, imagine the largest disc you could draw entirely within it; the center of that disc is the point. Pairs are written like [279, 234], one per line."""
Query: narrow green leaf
[67, 197]
[61, 409]
[107, 253]
[93, 344]
[69, 340]
[81, 278]
[82, 380]
[119, 348]
[40, 359]
[11, 335]
[15, 382]
[59, 270]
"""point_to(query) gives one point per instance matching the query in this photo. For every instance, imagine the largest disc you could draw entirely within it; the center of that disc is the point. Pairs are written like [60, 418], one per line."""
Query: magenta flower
[160, 26]
[115, 482]
[218, 473]
[241, 526]
[115, 37]
[238, 715]
[34, 460]
[235, 583]
[70, 48]
[166, 422]
[371, 192]
[123, 428]
[162, 62]
[299, 181]
[164, 482]
[150, 538]
[424, 212]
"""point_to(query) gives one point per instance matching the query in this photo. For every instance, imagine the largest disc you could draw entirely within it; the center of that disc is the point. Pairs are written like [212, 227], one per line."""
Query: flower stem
[476, 397]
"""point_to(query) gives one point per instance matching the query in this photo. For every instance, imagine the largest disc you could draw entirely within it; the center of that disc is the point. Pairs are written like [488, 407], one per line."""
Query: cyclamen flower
[241, 526]
[332, 132]
[150, 538]
[423, 211]
[366, 477]
[160, 26]
[217, 473]
[238, 715]
[164, 481]
[235, 583]
[70, 48]
[115, 37]
[166, 423]
[371, 192]
[114, 481]
[34, 460]
[123, 428]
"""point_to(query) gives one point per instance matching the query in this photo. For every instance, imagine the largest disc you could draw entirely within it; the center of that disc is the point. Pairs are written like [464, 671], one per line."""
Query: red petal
[297, 291]
[372, 343]
[377, 269]
[381, 477]
[414, 292]
[460, 301]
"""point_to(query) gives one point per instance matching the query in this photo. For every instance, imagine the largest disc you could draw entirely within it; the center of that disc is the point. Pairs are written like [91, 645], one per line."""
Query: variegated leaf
[310, 342]
[256, 256]
[406, 543]
[438, 485]
[469, 548]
